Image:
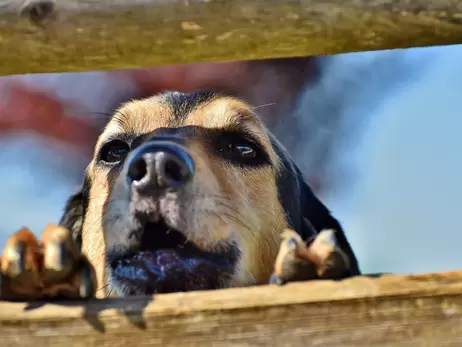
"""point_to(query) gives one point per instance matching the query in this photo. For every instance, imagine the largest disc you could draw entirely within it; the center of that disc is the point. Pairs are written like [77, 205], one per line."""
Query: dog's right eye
[114, 151]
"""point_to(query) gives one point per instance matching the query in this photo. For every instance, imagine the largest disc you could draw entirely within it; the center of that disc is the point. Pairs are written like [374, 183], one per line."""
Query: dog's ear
[74, 212]
[306, 214]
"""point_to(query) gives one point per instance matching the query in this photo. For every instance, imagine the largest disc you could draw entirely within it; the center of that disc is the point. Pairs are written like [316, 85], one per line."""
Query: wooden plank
[79, 35]
[418, 310]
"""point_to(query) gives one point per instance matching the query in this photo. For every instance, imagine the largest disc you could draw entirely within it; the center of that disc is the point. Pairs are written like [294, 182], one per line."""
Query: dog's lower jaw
[165, 270]
[238, 278]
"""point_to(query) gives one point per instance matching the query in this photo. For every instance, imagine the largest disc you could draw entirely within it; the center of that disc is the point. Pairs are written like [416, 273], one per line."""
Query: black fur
[182, 104]
[75, 210]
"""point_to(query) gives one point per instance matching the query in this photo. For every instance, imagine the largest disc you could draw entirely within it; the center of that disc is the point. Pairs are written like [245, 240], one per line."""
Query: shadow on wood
[392, 310]
[79, 35]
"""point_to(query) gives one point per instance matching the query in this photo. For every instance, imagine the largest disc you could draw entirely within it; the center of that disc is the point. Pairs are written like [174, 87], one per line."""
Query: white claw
[327, 236]
[292, 243]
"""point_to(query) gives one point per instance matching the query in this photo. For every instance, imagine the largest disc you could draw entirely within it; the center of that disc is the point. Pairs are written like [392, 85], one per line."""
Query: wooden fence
[79, 35]
[391, 310]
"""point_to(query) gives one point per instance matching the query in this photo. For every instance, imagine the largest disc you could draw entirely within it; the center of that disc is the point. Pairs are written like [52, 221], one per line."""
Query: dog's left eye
[114, 151]
[240, 148]
[243, 150]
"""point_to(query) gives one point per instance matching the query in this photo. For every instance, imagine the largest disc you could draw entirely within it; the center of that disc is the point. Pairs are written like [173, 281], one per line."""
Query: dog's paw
[331, 261]
[52, 267]
[290, 266]
[321, 259]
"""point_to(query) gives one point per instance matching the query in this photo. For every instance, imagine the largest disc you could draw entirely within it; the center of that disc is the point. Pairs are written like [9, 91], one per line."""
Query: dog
[185, 192]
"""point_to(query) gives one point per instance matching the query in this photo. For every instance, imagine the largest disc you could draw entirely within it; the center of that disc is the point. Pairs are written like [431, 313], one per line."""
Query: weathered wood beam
[79, 35]
[419, 310]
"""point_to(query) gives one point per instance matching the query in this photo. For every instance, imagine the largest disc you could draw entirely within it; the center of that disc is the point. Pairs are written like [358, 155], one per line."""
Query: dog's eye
[243, 150]
[239, 148]
[114, 151]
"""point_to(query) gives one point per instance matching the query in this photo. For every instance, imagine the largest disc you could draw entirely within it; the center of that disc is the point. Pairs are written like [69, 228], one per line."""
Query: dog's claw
[87, 288]
[292, 243]
[52, 267]
[275, 279]
[321, 259]
[16, 259]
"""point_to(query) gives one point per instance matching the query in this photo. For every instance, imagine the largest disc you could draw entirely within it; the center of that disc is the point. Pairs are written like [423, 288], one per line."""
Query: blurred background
[376, 133]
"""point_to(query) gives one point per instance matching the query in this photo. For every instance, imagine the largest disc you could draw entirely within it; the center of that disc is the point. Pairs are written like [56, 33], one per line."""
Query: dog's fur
[232, 210]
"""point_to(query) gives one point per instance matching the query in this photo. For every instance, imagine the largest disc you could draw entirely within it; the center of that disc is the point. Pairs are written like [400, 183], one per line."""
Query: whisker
[233, 218]
[230, 212]
[264, 105]
[103, 287]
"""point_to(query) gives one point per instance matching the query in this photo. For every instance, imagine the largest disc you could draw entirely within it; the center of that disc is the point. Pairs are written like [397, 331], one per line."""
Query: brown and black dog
[185, 192]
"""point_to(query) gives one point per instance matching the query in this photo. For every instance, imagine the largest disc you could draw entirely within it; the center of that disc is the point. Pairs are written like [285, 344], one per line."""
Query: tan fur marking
[229, 113]
[254, 197]
[93, 245]
[139, 117]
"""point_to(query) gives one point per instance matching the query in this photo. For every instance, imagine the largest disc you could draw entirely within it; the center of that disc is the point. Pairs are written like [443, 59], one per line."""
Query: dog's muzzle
[161, 259]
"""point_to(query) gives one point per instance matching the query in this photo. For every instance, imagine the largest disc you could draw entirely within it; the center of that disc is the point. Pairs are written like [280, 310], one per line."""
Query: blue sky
[404, 213]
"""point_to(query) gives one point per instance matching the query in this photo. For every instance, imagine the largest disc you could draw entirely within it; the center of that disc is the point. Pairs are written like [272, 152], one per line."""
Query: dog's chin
[166, 262]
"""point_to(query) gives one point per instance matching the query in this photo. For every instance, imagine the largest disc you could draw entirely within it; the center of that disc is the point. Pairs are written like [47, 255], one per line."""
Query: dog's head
[189, 192]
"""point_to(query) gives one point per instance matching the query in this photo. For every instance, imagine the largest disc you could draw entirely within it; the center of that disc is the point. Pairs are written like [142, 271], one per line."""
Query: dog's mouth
[167, 262]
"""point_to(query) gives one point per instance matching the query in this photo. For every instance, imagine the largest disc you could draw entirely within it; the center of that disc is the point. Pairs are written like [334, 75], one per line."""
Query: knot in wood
[38, 11]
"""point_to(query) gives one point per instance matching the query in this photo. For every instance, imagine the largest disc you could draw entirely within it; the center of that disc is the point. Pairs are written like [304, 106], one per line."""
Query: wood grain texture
[419, 310]
[79, 35]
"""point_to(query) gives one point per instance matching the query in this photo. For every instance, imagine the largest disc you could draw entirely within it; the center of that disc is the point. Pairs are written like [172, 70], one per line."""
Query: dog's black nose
[159, 165]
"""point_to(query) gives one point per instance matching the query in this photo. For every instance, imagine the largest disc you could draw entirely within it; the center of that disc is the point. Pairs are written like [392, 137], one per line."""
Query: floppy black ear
[306, 214]
[74, 212]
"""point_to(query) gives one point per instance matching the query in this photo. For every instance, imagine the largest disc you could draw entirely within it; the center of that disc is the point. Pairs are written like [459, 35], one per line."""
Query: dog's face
[188, 192]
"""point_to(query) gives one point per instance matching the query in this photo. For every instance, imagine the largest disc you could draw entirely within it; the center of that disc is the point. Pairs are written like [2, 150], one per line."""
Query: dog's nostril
[137, 170]
[172, 171]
